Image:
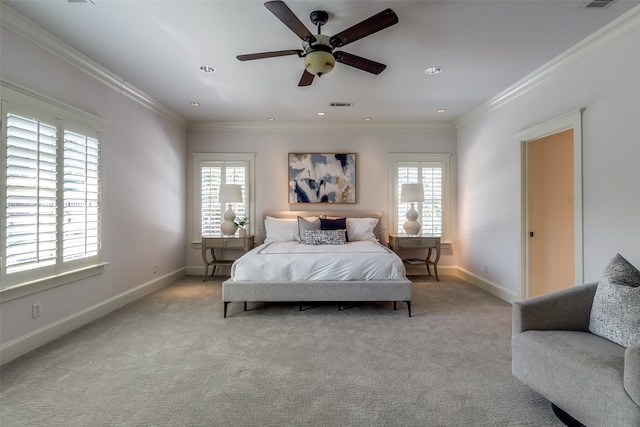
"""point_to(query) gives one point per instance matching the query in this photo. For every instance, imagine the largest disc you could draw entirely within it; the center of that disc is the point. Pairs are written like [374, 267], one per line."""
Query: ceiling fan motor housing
[318, 59]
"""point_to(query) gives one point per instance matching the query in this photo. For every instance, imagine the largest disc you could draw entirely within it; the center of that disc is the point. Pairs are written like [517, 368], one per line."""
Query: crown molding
[18, 24]
[356, 126]
[616, 30]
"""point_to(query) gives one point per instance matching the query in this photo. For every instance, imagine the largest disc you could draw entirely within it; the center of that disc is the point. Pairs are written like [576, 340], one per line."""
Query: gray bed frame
[319, 291]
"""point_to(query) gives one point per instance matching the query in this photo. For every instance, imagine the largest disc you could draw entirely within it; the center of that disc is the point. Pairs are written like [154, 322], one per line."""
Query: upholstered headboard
[332, 214]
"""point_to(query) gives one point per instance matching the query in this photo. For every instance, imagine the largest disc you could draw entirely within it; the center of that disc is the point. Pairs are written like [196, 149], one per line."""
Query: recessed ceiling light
[271, 119]
[321, 113]
[207, 69]
[194, 104]
[440, 110]
[434, 70]
[366, 119]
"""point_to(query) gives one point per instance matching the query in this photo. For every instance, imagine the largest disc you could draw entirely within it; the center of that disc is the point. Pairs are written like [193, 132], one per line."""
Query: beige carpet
[170, 359]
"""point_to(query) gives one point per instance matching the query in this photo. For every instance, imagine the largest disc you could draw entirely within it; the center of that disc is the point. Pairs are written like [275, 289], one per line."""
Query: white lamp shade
[230, 193]
[412, 193]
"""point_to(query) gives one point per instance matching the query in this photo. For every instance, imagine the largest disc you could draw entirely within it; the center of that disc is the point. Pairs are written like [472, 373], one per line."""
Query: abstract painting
[322, 178]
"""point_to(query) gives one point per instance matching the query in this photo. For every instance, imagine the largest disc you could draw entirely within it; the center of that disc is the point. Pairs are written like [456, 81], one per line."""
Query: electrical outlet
[35, 310]
[155, 268]
[486, 269]
[257, 227]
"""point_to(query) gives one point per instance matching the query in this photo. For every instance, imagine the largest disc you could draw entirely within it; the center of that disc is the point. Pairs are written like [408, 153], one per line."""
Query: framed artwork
[322, 178]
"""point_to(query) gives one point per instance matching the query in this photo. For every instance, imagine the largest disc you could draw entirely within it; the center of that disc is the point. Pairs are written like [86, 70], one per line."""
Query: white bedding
[293, 261]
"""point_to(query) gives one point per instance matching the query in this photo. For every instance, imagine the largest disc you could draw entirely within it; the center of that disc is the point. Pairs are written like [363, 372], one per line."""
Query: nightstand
[429, 243]
[210, 244]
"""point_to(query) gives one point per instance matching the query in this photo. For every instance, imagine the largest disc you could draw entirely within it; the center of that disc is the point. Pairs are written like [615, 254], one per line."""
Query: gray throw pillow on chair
[615, 314]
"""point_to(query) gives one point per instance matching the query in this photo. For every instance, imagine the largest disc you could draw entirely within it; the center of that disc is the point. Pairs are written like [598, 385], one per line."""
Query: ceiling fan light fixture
[319, 62]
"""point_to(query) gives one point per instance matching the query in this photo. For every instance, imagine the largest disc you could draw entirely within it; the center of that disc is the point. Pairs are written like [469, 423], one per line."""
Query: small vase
[242, 233]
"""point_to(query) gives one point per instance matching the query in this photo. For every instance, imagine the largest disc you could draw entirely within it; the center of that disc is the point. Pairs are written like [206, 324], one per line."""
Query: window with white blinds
[51, 178]
[214, 175]
[32, 186]
[81, 196]
[430, 170]
[211, 170]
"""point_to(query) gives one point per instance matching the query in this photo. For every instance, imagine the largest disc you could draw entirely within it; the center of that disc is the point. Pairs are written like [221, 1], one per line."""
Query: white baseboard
[485, 285]
[26, 343]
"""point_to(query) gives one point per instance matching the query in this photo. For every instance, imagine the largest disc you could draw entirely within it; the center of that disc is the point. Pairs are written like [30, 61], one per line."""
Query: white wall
[143, 193]
[607, 84]
[272, 146]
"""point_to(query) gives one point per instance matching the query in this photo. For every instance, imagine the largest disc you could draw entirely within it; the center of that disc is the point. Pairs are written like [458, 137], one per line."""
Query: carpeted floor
[170, 359]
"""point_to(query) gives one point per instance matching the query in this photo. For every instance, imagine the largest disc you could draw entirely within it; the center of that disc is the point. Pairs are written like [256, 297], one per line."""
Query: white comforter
[293, 261]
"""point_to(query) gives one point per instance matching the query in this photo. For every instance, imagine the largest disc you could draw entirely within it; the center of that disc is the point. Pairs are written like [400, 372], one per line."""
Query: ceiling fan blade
[288, 18]
[359, 62]
[306, 79]
[273, 54]
[371, 25]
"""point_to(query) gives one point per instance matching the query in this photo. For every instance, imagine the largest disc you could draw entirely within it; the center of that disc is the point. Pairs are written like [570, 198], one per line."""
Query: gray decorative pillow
[304, 225]
[325, 237]
[615, 314]
[623, 271]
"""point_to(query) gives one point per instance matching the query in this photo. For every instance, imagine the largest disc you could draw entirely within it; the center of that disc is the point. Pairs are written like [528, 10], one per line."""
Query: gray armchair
[589, 377]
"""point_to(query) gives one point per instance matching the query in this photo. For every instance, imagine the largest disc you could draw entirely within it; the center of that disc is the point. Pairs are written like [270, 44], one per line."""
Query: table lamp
[412, 193]
[230, 193]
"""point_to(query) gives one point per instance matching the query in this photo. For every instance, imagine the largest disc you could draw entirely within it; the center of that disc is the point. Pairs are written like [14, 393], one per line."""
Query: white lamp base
[228, 227]
[411, 226]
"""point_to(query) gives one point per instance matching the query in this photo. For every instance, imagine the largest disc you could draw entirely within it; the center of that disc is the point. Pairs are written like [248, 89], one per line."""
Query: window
[210, 171]
[430, 170]
[51, 175]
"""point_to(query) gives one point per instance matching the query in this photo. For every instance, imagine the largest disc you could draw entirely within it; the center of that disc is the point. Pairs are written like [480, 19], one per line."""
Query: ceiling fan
[318, 51]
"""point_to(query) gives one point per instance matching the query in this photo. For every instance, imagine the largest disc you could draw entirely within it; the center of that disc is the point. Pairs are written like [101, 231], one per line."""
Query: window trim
[198, 159]
[65, 116]
[444, 160]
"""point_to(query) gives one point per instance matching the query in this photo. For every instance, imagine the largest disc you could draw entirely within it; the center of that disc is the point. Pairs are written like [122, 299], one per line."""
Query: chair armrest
[568, 309]
[632, 372]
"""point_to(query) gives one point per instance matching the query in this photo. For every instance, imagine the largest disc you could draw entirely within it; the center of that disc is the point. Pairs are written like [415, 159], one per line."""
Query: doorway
[550, 213]
[551, 202]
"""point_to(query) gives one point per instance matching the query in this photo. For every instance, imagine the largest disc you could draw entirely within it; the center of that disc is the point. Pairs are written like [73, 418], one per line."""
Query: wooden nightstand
[399, 242]
[212, 243]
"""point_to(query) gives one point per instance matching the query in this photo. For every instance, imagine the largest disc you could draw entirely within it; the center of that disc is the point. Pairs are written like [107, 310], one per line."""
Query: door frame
[572, 120]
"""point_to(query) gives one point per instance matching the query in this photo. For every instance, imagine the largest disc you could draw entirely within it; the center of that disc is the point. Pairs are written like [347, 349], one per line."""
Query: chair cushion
[615, 314]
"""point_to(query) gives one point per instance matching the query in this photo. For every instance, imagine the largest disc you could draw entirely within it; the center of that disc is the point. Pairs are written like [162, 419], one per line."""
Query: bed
[292, 267]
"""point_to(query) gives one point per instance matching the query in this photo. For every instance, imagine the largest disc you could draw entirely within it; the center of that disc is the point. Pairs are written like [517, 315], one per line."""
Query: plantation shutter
[50, 173]
[31, 184]
[431, 177]
[432, 205]
[81, 196]
[214, 174]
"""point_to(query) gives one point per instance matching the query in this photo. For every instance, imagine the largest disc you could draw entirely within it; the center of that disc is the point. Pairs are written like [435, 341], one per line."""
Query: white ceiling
[158, 46]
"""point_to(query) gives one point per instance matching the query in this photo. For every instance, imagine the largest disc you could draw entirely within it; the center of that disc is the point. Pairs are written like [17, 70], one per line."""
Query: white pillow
[281, 230]
[361, 229]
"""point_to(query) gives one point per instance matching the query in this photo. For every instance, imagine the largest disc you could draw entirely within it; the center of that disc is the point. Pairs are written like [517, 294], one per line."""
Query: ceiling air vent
[598, 4]
[340, 104]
